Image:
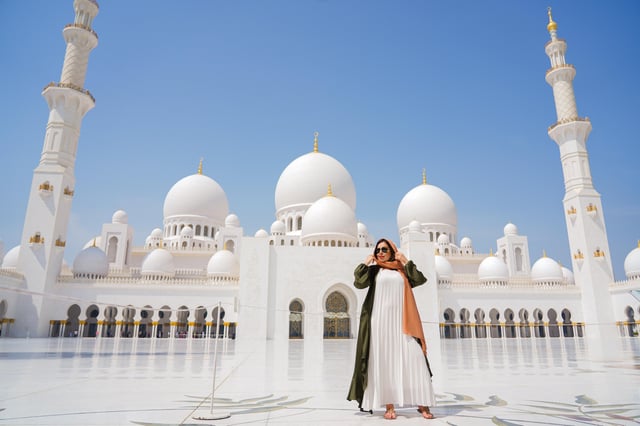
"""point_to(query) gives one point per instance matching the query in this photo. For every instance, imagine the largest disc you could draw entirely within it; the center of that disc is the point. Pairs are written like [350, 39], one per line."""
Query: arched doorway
[109, 323]
[509, 324]
[296, 316]
[554, 330]
[567, 325]
[539, 329]
[449, 331]
[182, 326]
[200, 326]
[91, 323]
[164, 322]
[146, 322]
[73, 323]
[525, 331]
[481, 328]
[128, 324]
[465, 328]
[217, 330]
[337, 324]
[496, 329]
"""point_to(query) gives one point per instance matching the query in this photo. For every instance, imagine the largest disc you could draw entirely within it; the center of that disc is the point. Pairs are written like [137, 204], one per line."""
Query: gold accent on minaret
[551, 26]
[329, 192]
[424, 176]
[68, 191]
[315, 141]
[544, 253]
[200, 166]
[638, 243]
[36, 239]
[60, 243]
[490, 252]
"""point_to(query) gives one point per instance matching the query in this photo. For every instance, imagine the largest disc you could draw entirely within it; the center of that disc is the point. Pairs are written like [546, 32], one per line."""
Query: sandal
[390, 414]
[426, 413]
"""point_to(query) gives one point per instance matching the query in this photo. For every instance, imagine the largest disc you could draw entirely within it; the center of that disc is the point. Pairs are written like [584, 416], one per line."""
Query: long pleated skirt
[397, 371]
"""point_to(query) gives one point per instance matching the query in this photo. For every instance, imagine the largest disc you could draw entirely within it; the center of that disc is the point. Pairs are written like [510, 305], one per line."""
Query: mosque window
[299, 223]
[198, 229]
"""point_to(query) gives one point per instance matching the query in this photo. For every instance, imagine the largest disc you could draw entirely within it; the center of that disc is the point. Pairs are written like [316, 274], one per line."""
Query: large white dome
[91, 262]
[197, 195]
[224, 264]
[305, 180]
[632, 263]
[493, 269]
[158, 262]
[329, 217]
[546, 270]
[429, 205]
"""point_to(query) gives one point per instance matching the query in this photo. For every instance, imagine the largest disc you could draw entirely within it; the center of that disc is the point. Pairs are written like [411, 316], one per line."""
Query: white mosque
[198, 275]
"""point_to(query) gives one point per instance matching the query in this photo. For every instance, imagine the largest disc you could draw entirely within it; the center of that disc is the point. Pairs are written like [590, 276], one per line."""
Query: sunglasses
[381, 249]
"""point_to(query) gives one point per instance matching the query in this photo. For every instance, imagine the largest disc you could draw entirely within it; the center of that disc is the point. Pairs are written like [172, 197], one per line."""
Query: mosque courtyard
[118, 381]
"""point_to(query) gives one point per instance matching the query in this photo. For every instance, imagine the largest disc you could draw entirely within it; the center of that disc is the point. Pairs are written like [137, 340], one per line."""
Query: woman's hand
[370, 260]
[401, 257]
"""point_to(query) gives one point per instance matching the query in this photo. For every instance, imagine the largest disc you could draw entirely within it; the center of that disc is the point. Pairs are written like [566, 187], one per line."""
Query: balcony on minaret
[68, 192]
[45, 189]
[592, 210]
[36, 240]
[69, 86]
[60, 243]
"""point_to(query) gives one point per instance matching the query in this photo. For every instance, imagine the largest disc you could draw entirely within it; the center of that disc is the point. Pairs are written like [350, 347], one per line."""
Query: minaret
[591, 258]
[52, 189]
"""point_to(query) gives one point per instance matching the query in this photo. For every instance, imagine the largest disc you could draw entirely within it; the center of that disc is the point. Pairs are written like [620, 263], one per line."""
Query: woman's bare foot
[391, 413]
[426, 413]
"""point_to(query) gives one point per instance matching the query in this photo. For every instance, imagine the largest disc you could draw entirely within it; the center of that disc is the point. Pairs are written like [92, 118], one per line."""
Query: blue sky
[393, 87]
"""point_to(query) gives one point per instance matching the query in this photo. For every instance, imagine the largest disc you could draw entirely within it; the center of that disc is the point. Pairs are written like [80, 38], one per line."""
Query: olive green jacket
[365, 276]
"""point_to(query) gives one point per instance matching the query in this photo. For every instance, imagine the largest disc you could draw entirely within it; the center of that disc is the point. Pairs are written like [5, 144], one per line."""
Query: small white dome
[278, 228]
[546, 270]
[493, 269]
[510, 229]
[414, 226]
[158, 262]
[443, 268]
[156, 233]
[329, 217]
[632, 263]
[91, 262]
[466, 243]
[10, 260]
[305, 180]
[568, 276]
[362, 229]
[224, 263]
[429, 205]
[232, 221]
[120, 216]
[187, 231]
[261, 233]
[443, 239]
[196, 195]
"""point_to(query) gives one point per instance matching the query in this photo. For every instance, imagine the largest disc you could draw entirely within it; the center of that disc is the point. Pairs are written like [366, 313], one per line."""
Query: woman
[391, 355]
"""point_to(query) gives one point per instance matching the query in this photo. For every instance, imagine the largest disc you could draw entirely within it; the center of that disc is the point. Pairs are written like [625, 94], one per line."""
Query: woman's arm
[416, 277]
[361, 275]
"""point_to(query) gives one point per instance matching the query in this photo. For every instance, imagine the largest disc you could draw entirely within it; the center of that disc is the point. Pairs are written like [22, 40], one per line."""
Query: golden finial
[424, 176]
[490, 252]
[551, 26]
[638, 243]
[544, 253]
[315, 141]
[200, 167]
[94, 243]
[329, 192]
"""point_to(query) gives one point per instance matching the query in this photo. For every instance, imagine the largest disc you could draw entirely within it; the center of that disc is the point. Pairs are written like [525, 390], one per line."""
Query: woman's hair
[392, 253]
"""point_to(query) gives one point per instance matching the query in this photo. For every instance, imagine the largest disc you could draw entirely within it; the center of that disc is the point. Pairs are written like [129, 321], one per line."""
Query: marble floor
[86, 381]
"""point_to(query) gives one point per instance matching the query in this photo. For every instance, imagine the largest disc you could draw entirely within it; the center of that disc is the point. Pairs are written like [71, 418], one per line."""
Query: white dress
[397, 371]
